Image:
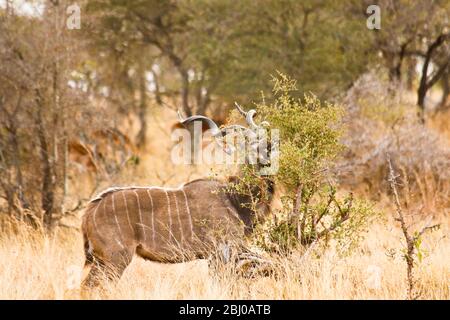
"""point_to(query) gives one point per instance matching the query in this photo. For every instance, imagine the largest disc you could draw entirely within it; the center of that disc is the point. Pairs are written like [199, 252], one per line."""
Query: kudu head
[255, 135]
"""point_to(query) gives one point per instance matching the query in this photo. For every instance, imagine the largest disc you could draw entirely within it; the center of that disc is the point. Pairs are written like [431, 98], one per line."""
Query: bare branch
[400, 216]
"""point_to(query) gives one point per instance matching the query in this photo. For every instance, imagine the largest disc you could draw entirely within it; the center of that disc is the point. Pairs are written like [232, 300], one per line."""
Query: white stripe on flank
[179, 218]
[153, 218]
[140, 213]
[170, 215]
[104, 207]
[95, 213]
[189, 213]
[126, 209]
[117, 222]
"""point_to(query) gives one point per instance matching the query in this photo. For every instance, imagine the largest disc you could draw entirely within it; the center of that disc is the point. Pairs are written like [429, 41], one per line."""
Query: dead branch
[411, 240]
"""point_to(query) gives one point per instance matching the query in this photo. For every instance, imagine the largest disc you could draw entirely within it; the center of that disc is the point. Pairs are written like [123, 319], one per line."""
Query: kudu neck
[252, 203]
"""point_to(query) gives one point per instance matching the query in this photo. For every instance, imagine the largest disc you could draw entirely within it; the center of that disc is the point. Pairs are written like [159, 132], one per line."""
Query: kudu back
[165, 224]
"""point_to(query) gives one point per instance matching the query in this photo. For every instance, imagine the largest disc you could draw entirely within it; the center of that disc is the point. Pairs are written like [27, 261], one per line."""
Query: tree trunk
[178, 63]
[59, 144]
[58, 162]
[185, 93]
[421, 93]
[47, 191]
[426, 83]
[142, 113]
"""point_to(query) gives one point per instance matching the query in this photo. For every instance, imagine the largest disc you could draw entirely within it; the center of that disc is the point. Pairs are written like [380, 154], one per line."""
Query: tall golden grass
[36, 266]
[33, 266]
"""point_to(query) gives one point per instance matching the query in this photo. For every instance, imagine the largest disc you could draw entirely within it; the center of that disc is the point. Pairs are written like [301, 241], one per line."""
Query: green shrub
[311, 208]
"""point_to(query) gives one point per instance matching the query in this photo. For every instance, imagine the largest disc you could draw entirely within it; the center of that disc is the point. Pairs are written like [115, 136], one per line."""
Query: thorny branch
[411, 240]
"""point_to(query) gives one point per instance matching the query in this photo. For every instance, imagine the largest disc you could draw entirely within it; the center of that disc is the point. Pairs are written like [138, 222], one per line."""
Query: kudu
[168, 224]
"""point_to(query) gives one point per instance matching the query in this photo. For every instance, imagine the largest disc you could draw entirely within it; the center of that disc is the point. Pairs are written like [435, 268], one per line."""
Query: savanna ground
[34, 266]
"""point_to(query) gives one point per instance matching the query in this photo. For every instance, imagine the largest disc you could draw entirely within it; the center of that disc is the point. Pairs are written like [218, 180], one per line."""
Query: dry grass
[37, 267]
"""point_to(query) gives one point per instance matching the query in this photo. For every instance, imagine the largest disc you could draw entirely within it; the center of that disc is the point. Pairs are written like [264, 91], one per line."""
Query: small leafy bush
[311, 208]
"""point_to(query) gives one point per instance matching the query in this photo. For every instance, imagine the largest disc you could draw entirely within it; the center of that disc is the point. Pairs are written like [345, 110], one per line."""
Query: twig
[411, 240]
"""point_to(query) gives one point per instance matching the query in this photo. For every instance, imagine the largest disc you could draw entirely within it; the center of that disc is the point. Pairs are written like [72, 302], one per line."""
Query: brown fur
[158, 224]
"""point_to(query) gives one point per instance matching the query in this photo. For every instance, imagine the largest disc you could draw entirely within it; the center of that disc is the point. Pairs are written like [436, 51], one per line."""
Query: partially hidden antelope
[169, 225]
